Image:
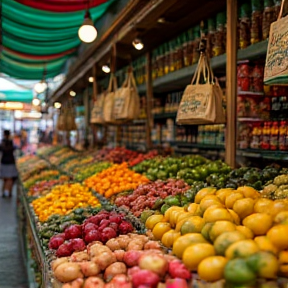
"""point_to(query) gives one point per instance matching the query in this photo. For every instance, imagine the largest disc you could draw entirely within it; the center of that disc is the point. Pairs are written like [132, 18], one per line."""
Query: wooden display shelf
[265, 154]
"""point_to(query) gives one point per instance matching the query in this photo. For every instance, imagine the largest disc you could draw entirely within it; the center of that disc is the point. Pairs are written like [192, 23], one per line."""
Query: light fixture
[72, 93]
[57, 105]
[36, 102]
[40, 87]
[87, 32]
[106, 69]
[91, 79]
[138, 44]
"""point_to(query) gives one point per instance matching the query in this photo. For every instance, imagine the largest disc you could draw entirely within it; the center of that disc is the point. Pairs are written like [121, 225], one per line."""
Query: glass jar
[220, 35]
[210, 37]
[256, 21]
[257, 78]
[244, 26]
[268, 18]
[160, 61]
[196, 42]
[243, 75]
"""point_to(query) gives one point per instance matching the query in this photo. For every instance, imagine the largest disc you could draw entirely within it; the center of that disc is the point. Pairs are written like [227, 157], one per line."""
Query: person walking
[8, 170]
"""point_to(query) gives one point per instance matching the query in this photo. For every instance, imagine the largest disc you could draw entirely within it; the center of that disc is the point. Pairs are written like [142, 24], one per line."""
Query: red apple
[154, 262]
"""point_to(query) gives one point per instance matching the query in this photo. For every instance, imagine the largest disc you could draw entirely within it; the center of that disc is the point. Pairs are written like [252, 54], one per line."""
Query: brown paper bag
[127, 100]
[70, 117]
[276, 65]
[61, 123]
[97, 111]
[201, 103]
[108, 107]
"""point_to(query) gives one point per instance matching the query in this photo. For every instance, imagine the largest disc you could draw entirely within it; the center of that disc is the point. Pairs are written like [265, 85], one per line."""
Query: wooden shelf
[251, 119]
[265, 154]
[250, 93]
[165, 115]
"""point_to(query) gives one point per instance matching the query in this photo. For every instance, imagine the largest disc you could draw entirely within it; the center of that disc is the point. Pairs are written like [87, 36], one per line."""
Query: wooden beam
[231, 83]
[149, 100]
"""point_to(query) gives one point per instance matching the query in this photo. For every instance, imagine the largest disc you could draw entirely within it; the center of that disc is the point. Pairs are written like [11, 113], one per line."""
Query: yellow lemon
[153, 220]
[220, 227]
[203, 192]
[241, 249]
[246, 231]
[259, 223]
[214, 214]
[265, 244]
[244, 207]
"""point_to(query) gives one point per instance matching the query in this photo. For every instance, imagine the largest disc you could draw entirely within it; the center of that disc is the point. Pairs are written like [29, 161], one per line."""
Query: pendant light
[138, 44]
[41, 86]
[36, 102]
[87, 32]
[106, 69]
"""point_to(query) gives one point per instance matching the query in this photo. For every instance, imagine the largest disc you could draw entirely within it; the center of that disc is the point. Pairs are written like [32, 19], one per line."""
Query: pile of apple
[128, 261]
[101, 227]
[141, 157]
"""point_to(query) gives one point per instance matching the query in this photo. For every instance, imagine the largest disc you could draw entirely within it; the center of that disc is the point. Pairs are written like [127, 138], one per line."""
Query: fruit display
[220, 235]
[44, 175]
[76, 163]
[82, 173]
[63, 199]
[45, 151]
[152, 196]
[141, 157]
[115, 179]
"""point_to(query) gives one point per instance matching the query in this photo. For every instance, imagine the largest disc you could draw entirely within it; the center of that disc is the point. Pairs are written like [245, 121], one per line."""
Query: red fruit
[89, 227]
[73, 231]
[92, 235]
[176, 283]
[64, 250]
[78, 244]
[55, 241]
[145, 277]
[155, 263]
[107, 233]
[132, 271]
[131, 257]
[114, 226]
[104, 223]
[178, 270]
[125, 227]
[115, 219]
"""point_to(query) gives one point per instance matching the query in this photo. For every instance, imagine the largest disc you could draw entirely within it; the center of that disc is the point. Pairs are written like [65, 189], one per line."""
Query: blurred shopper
[8, 170]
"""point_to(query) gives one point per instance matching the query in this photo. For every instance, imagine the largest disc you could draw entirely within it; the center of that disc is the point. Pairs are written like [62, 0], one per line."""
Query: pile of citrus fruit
[228, 234]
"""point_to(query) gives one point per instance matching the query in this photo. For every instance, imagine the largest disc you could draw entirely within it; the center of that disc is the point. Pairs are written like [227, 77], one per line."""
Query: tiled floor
[12, 269]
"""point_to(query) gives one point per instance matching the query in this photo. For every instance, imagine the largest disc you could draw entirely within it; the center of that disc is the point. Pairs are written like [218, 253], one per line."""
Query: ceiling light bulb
[106, 68]
[138, 44]
[91, 79]
[40, 87]
[87, 32]
[57, 105]
[36, 102]
[72, 93]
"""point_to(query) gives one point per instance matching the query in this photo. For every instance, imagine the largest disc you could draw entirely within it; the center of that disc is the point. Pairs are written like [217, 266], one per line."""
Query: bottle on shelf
[167, 47]
[283, 132]
[256, 21]
[179, 55]
[256, 137]
[160, 61]
[219, 46]
[196, 42]
[210, 36]
[265, 144]
[244, 26]
[268, 18]
[274, 136]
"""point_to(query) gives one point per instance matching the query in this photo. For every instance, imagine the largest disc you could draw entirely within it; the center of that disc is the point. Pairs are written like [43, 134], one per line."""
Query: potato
[94, 282]
[75, 284]
[97, 250]
[89, 268]
[135, 244]
[79, 256]
[114, 269]
[67, 272]
[104, 260]
[58, 261]
[113, 244]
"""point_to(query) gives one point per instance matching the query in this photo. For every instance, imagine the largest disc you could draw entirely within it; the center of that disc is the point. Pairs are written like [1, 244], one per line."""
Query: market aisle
[12, 270]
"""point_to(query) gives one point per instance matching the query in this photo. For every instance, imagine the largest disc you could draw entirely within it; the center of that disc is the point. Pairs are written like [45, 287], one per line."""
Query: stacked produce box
[118, 218]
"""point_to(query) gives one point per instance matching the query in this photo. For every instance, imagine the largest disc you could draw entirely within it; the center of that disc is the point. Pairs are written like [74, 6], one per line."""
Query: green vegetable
[164, 208]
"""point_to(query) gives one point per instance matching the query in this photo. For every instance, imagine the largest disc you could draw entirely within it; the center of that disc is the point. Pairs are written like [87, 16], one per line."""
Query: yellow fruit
[265, 244]
[153, 220]
[206, 230]
[193, 224]
[169, 238]
[278, 206]
[263, 205]
[159, 229]
[249, 192]
[235, 217]
[226, 239]
[169, 211]
[194, 254]
[220, 227]
[208, 201]
[203, 192]
[194, 209]
[264, 264]
[232, 198]
[246, 231]
[259, 223]
[212, 268]
[281, 218]
[214, 214]
[241, 249]
[283, 262]
[244, 207]
[278, 235]
[185, 241]
[183, 216]
[223, 193]
[174, 215]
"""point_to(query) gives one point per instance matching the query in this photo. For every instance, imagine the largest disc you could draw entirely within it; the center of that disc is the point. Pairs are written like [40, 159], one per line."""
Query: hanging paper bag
[201, 103]
[61, 123]
[276, 65]
[70, 117]
[108, 107]
[127, 100]
[97, 111]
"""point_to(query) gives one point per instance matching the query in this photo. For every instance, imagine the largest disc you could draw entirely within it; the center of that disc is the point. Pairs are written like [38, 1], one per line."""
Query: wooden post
[231, 83]
[94, 127]
[87, 116]
[149, 100]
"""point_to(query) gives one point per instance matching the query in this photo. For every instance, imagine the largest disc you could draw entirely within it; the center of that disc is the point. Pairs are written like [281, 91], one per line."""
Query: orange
[153, 220]
[185, 241]
[169, 238]
[183, 216]
[235, 217]
[206, 230]
[168, 212]
[278, 206]
[283, 262]
[246, 231]
[160, 228]
[208, 201]
[193, 224]
[203, 192]
[281, 218]
[232, 198]
[174, 215]
[244, 207]
[214, 214]
[212, 268]
[241, 249]
[263, 205]
[259, 223]
[278, 235]
[223, 193]
[249, 192]
[220, 227]
[194, 254]
[265, 244]
[194, 209]
[264, 264]
[226, 239]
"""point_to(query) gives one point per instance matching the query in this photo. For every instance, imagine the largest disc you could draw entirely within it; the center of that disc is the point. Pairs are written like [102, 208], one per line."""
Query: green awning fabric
[16, 96]
[32, 38]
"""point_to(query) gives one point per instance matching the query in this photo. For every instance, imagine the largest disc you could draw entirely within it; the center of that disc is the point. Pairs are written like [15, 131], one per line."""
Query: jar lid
[257, 5]
[245, 10]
